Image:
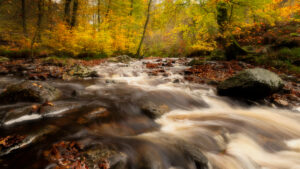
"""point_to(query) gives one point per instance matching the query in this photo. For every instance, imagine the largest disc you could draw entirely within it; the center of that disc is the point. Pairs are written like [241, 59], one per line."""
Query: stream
[196, 130]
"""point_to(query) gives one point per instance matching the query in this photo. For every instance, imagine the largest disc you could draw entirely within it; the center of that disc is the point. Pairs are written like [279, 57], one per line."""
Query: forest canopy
[134, 27]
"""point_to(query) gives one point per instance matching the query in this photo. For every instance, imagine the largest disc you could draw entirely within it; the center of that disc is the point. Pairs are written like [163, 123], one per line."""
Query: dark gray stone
[29, 91]
[251, 83]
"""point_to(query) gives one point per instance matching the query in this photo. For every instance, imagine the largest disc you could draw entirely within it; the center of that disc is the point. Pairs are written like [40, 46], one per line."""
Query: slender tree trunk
[24, 24]
[138, 53]
[98, 12]
[108, 8]
[37, 36]
[50, 13]
[67, 11]
[128, 30]
[74, 13]
[40, 18]
[131, 8]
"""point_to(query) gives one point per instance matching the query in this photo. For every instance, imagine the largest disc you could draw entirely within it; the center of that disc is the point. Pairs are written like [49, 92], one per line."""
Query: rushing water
[199, 128]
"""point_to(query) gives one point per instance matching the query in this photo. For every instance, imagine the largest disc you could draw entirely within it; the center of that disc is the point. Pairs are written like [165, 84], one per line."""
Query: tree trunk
[74, 14]
[138, 53]
[37, 35]
[128, 30]
[108, 8]
[50, 14]
[67, 11]
[98, 14]
[24, 24]
[40, 17]
[131, 8]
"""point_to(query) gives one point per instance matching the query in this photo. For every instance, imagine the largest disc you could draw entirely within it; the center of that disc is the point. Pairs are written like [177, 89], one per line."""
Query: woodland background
[165, 28]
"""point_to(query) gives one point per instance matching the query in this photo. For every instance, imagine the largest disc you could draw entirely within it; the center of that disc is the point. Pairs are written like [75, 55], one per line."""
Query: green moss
[296, 52]
[294, 34]
[217, 55]
[284, 54]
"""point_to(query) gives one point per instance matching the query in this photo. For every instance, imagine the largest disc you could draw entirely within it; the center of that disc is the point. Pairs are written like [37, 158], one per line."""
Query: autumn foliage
[101, 28]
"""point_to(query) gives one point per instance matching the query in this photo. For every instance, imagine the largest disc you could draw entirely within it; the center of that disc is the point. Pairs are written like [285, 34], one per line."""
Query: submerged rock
[29, 91]
[153, 110]
[251, 83]
[12, 143]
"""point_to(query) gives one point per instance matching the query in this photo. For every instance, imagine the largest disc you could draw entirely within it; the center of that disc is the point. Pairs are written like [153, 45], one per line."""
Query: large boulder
[251, 83]
[29, 91]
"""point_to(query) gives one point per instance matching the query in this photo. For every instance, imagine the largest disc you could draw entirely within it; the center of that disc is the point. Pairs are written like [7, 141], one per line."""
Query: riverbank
[199, 71]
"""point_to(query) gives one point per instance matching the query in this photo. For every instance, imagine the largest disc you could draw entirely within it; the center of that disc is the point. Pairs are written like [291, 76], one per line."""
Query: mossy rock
[153, 110]
[29, 91]
[251, 83]
[82, 72]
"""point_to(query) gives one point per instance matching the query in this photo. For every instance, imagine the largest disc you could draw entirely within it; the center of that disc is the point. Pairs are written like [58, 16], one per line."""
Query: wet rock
[99, 157]
[168, 64]
[166, 74]
[12, 143]
[176, 81]
[153, 65]
[251, 83]
[110, 81]
[66, 155]
[153, 110]
[281, 102]
[81, 72]
[71, 153]
[29, 91]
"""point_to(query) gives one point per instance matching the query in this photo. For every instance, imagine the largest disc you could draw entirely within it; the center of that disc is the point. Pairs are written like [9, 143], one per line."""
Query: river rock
[251, 83]
[82, 72]
[103, 157]
[29, 91]
[153, 110]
